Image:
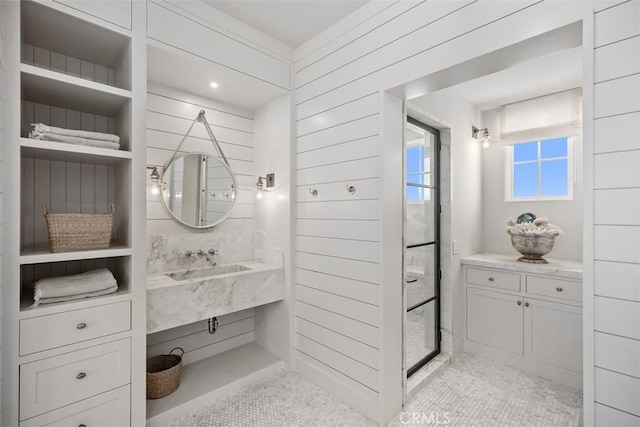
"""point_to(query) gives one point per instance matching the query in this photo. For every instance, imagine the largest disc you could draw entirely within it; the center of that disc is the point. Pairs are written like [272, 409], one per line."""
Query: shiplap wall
[234, 329]
[340, 318]
[169, 115]
[617, 214]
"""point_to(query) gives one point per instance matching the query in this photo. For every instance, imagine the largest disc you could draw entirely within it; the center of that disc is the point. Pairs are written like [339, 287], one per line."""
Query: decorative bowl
[533, 247]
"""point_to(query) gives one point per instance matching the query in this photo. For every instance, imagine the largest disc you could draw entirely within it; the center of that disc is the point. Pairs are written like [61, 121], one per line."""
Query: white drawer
[56, 330]
[51, 383]
[557, 288]
[495, 279]
[110, 409]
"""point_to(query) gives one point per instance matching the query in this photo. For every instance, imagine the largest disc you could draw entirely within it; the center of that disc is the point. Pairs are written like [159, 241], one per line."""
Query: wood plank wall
[339, 76]
[617, 214]
[169, 115]
[234, 330]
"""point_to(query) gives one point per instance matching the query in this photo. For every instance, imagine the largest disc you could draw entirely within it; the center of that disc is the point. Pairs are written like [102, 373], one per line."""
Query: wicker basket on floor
[78, 232]
[163, 374]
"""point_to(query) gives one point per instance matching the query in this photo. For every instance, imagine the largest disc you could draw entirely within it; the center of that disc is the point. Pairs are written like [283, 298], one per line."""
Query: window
[416, 172]
[540, 170]
[418, 163]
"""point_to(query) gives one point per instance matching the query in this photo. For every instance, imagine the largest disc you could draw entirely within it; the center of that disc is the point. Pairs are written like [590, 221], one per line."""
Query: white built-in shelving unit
[73, 68]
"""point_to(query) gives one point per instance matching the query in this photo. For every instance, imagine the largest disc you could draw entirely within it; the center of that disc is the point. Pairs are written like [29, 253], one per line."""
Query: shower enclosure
[421, 244]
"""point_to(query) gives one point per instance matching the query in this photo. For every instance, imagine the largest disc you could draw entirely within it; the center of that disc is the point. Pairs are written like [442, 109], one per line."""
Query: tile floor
[472, 391]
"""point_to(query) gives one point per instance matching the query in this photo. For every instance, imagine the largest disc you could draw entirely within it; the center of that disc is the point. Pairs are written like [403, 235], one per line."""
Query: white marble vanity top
[160, 280]
[556, 267]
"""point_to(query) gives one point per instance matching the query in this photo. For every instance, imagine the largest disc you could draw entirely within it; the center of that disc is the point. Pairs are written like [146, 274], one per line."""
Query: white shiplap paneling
[626, 360]
[617, 60]
[169, 115]
[607, 416]
[617, 280]
[617, 317]
[234, 330]
[617, 133]
[617, 206]
[347, 71]
[617, 23]
[618, 391]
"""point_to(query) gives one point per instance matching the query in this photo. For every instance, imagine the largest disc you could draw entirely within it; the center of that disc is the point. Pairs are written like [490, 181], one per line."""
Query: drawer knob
[81, 375]
[491, 279]
[559, 289]
[82, 425]
[519, 302]
[81, 325]
[526, 304]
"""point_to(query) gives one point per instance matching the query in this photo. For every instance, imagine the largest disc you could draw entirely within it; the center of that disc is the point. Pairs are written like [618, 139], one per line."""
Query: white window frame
[509, 173]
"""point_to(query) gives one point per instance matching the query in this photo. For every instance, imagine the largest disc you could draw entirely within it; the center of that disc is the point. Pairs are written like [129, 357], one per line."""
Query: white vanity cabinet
[495, 319]
[529, 317]
[553, 333]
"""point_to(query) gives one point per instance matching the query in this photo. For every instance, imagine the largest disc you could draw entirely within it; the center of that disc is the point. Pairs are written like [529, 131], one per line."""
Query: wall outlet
[456, 247]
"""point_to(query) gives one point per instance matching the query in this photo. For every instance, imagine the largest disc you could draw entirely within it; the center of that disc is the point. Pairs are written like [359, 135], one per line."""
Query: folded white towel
[46, 136]
[107, 291]
[41, 127]
[77, 284]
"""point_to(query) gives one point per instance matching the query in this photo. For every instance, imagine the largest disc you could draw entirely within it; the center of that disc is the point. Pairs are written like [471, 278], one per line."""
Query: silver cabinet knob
[519, 302]
[81, 375]
[559, 289]
[81, 325]
[526, 304]
[491, 279]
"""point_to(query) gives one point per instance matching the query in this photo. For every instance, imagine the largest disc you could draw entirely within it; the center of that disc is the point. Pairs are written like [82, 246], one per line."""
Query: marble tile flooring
[472, 391]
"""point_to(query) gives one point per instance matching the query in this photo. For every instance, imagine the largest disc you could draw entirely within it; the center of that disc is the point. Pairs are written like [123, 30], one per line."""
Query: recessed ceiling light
[213, 85]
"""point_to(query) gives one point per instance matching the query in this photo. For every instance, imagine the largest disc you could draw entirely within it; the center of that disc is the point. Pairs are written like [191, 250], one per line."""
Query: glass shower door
[421, 245]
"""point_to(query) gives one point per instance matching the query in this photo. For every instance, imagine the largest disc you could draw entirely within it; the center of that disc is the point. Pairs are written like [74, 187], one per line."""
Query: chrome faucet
[210, 252]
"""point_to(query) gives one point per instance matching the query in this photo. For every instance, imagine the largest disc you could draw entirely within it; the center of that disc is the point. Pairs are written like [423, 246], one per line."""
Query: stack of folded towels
[70, 136]
[67, 288]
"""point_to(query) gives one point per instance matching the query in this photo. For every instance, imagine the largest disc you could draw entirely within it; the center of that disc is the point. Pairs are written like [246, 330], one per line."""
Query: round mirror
[198, 190]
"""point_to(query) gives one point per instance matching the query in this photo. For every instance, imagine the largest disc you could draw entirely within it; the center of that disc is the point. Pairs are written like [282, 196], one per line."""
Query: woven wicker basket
[78, 232]
[163, 374]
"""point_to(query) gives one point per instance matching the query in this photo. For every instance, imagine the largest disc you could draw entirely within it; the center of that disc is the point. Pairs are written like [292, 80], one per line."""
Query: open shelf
[39, 253]
[65, 91]
[211, 378]
[59, 151]
[52, 30]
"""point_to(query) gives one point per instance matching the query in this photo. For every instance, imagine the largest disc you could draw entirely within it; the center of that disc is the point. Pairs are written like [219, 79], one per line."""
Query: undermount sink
[206, 272]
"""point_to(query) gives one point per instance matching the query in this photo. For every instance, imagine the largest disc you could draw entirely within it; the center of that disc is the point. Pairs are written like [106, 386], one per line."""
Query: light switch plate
[455, 245]
[271, 180]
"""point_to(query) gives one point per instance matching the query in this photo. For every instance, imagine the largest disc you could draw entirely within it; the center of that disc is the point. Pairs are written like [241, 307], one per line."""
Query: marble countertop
[556, 267]
[159, 280]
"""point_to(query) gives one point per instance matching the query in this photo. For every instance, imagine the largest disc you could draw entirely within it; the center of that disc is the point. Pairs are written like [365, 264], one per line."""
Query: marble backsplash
[167, 252]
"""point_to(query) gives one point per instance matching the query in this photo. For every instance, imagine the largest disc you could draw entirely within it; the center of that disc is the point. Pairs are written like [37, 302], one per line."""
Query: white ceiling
[537, 77]
[293, 22]
[194, 75]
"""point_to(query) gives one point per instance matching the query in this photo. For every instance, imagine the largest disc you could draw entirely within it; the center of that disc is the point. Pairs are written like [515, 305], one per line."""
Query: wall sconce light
[482, 135]
[265, 183]
[154, 178]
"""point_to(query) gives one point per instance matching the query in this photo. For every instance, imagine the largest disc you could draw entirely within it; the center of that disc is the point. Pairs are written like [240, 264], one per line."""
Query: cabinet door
[553, 333]
[495, 319]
